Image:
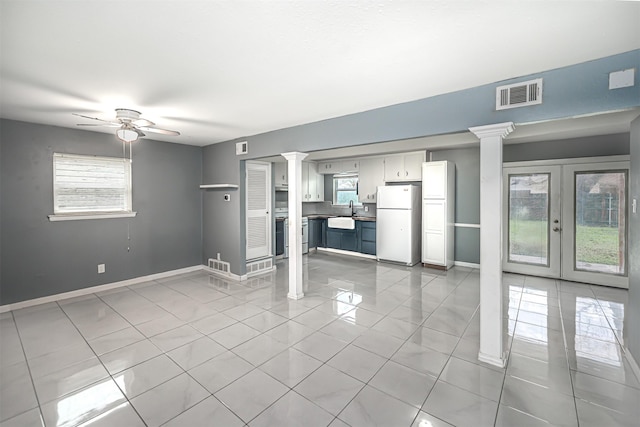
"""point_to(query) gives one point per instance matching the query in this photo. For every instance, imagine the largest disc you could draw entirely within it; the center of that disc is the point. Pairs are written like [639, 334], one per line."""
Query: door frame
[567, 221]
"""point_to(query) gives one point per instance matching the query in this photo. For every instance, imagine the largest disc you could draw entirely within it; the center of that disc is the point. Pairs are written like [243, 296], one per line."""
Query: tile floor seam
[109, 373]
[508, 355]
[33, 385]
[564, 336]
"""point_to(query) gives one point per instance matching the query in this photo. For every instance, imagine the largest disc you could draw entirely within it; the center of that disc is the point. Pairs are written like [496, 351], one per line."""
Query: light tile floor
[370, 344]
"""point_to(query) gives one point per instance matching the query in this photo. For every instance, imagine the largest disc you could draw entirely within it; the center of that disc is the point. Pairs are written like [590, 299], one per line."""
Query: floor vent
[219, 266]
[257, 267]
[519, 94]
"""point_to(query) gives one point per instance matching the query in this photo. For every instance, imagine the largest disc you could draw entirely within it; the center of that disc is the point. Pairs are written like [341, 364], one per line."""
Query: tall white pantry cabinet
[438, 213]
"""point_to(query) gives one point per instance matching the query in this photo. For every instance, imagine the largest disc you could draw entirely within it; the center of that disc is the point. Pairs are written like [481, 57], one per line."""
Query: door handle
[556, 229]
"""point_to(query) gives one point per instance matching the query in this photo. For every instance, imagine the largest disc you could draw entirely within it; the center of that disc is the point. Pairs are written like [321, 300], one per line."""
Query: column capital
[294, 155]
[488, 131]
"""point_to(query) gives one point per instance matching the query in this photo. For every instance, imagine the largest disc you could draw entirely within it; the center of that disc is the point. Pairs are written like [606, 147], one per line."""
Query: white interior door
[258, 202]
[532, 232]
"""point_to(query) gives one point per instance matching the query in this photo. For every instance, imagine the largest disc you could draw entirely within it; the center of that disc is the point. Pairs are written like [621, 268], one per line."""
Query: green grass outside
[596, 245]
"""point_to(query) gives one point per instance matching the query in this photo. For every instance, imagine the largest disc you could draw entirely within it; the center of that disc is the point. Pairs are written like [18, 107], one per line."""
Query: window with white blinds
[91, 185]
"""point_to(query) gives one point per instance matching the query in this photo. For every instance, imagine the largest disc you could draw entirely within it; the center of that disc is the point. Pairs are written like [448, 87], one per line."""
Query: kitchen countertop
[325, 216]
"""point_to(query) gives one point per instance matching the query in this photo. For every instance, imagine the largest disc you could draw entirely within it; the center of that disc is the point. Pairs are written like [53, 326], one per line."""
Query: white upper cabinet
[281, 174]
[329, 167]
[404, 167]
[352, 165]
[312, 183]
[434, 180]
[370, 176]
[339, 166]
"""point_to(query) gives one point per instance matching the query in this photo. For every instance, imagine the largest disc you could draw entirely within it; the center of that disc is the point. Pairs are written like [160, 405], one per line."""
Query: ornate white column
[491, 331]
[294, 169]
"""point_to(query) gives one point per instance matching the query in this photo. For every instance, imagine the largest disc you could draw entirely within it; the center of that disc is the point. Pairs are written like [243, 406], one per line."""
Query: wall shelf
[219, 186]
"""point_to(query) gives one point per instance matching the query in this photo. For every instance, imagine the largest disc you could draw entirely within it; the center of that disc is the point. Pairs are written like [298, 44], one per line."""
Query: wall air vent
[260, 266]
[220, 266]
[242, 148]
[519, 94]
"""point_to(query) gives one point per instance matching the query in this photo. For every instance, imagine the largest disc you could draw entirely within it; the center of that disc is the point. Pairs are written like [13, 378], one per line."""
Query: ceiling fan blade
[158, 130]
[100, 120]
[143, 122]
[104, 125]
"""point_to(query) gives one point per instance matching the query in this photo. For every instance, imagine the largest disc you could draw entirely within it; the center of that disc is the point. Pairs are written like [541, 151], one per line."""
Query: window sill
[77, 217]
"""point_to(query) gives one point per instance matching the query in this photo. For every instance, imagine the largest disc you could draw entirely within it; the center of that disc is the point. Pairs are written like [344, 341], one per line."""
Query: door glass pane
[528, 218]
[600, 222]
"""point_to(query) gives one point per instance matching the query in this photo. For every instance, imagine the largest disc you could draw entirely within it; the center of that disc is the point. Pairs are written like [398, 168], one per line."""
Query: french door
[567, 221]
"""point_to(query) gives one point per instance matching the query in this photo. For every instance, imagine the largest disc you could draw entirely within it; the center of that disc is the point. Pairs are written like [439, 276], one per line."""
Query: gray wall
[569, 91]
[593, 146]
[633, 310]
[41, 258]
[223, 226]
[467, 239]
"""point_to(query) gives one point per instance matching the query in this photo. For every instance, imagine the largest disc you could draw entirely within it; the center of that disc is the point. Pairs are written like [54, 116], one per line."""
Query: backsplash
[327, 208]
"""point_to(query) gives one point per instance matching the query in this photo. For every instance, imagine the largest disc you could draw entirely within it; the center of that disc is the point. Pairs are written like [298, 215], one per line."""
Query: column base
[295, 296]
[500, 362]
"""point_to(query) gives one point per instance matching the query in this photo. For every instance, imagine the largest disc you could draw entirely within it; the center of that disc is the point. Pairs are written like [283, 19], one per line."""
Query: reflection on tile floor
[370, 344]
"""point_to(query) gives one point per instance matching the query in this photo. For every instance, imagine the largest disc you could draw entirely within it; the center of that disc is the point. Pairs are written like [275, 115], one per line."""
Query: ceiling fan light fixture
[127, 134]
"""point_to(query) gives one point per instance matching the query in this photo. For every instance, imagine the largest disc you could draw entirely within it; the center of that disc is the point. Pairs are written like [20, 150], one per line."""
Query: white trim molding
[95, 289]
[466, 264]
[350, 253]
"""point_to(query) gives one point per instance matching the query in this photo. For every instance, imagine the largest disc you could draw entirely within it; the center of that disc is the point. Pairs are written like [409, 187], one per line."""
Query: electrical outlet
[101, 268]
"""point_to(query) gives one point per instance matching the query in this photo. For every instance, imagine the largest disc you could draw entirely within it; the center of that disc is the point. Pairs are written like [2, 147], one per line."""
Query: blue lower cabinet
[316, 232]
[334, 238]
[360, 239]
[368, 237]
[349, 240]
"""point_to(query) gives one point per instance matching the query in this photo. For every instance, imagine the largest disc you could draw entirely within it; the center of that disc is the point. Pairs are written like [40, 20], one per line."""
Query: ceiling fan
[130, 125]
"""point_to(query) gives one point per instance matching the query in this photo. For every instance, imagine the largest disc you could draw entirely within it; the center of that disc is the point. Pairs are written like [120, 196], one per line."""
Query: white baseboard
[99, 288]
[634, 364]
[229, 275]
[466, 264]
[342, 252]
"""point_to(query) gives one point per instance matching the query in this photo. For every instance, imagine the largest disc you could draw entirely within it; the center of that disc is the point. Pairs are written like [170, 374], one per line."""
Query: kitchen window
[90, 187]
[345, 190]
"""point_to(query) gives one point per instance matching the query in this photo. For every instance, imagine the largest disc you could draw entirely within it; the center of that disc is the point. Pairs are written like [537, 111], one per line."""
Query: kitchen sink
[345, 223]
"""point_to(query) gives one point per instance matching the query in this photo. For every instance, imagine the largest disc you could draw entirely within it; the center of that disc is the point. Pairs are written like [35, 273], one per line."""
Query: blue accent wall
[570, 91]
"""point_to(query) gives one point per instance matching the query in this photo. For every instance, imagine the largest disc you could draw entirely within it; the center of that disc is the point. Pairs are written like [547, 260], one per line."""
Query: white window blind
[88, 184]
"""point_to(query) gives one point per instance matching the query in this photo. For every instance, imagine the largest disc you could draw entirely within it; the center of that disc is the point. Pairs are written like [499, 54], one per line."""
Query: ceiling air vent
[519, 94]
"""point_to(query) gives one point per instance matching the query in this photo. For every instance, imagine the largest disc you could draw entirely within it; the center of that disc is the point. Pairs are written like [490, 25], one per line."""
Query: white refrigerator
[398, 230]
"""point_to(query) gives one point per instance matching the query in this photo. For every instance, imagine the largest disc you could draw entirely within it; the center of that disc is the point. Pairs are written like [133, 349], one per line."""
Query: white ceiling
[218, 70]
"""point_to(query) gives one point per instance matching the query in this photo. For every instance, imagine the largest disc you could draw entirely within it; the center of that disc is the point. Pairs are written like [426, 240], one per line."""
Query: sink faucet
[352, 207]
